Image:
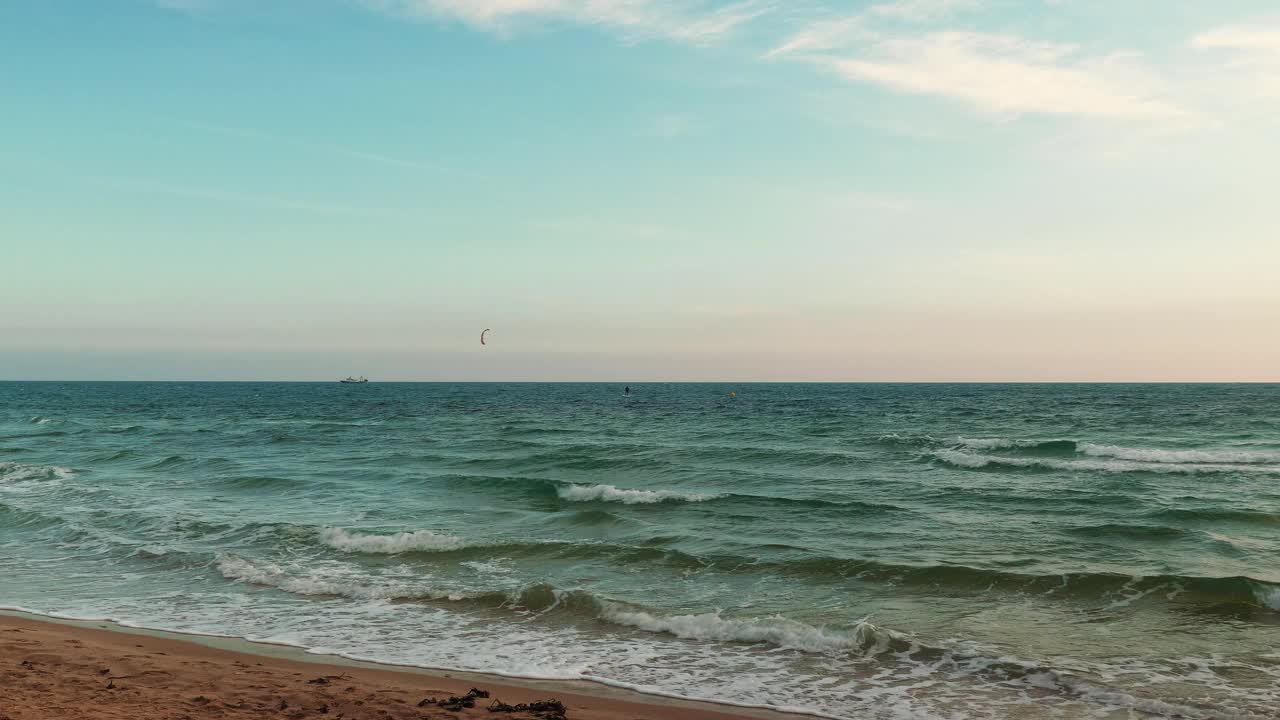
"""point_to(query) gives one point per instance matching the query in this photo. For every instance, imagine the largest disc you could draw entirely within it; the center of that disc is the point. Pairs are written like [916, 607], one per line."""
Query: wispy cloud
[832, 34]
[922, 10]
[1002, 75]
[692, 21]
[822, 35]
[1008, 75]
[1240, 37]
[1251, 53]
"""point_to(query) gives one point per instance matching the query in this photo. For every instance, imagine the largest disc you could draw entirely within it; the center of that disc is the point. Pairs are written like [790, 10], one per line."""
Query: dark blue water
[859, 551]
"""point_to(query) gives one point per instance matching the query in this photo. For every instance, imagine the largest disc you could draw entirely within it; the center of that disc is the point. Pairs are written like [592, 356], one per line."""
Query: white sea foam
[775, 630]
[1268, 595]
[960, 458]
[1206, 456]
[1151, 706]
[332, 582]
[17, 471]
[1159, 455]
[418, 540]
[610, 493]
[21, 479]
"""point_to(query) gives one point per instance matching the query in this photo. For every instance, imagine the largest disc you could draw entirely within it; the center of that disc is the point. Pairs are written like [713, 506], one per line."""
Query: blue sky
[640, 189]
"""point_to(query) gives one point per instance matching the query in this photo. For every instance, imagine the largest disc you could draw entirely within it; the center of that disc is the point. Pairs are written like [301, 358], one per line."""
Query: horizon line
[668, 382]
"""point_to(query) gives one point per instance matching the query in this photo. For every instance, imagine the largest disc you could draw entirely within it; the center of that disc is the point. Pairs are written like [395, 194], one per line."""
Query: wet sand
[55, 670]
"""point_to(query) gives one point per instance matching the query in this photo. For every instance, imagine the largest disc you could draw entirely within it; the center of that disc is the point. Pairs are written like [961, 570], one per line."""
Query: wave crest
[17, 472]
[610, 493]
[774, 630]
[1237, 456]
[974, 461]
[410, 541]
[319, 584]
[1268, 595]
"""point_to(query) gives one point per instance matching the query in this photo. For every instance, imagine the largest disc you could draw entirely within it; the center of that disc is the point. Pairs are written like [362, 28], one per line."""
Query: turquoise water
[948, 551]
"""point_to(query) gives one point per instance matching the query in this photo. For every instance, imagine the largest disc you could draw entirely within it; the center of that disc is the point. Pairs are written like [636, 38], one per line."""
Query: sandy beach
[54, 670]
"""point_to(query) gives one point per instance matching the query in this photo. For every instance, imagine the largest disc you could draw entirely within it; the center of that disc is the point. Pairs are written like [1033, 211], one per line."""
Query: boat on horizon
[354, 381]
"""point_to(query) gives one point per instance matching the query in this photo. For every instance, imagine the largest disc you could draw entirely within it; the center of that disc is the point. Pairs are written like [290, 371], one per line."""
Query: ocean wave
[541, 488]
[1256, 517]
[1217, 456]
[411, 541]
[115, 456]
[333, 584]
[16, 517]
[1032, 447]
[776, 630]
[1110, 589]
[170, 461]
[1090, 588]
[46, 433]
[1268, 595]
[975, 461]
[1066, 448]
[542, 598]
[333, 580]
[610, 493]
[11, 472]
[1130, 531]
[260, 482]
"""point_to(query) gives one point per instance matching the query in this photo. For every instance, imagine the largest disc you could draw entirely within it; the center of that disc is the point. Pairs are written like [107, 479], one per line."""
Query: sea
[847, 550]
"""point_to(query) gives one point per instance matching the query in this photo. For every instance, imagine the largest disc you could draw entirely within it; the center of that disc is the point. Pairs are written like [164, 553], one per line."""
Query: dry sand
[95, 671]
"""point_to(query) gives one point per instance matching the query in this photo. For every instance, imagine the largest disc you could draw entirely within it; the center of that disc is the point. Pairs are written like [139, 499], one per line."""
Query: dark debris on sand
[543, 709]
[455, 703]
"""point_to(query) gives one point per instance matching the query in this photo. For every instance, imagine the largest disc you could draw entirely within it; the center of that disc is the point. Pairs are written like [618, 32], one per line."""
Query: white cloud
[1239, 37]
[999, 74]
[1251, 69]
[830, 34]
[693, 21]
[921, 10]
[824, 35]
[1009, 75]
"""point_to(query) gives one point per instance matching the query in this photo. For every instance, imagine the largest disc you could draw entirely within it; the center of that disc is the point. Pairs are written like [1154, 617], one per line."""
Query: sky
[640, 190]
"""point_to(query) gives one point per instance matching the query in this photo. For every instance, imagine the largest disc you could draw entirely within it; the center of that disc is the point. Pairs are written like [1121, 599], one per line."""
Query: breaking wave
[1013, 449]
[1031, 447]
[778, 631]
[974, 461]
[610, 493]
[541, 598]
[318, 583]
[1157, 455]
[16, 472]
[414, 541]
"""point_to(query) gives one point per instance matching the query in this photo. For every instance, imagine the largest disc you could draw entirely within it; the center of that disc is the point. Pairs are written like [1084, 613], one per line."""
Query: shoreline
[213, 671]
